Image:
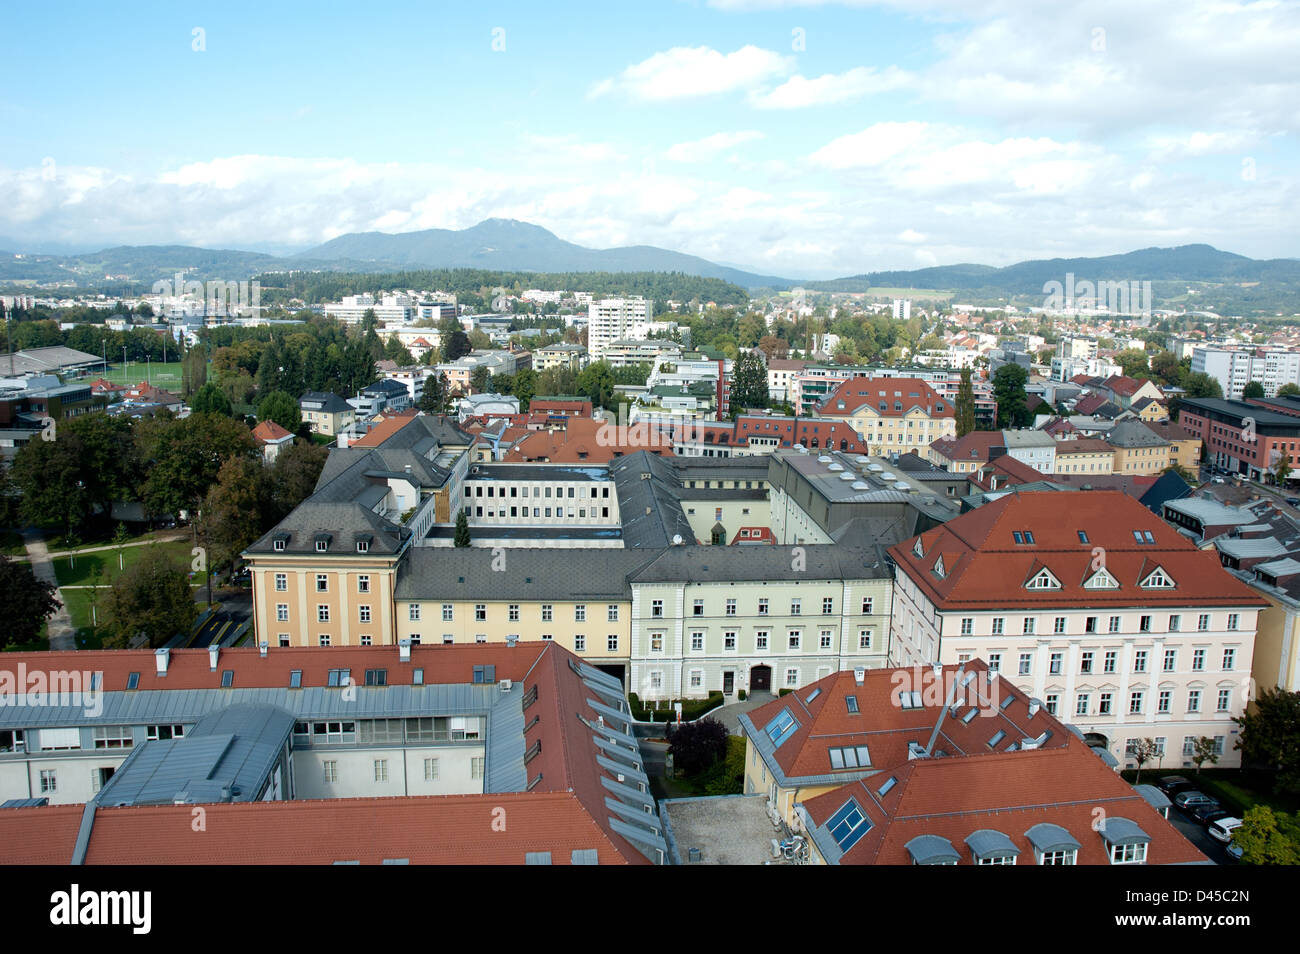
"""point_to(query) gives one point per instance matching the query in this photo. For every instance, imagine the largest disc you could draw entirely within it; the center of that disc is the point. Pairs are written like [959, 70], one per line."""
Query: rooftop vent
[824, 459]
[859, 675]
[836, 467]
[404, 650]
[1034, 706]
[861, 485]
[161, 656]
[213, 652]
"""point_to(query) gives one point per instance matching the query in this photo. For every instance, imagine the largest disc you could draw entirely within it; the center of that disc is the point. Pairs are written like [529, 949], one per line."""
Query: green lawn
[80, 570]
[166, 376]
[11, 544]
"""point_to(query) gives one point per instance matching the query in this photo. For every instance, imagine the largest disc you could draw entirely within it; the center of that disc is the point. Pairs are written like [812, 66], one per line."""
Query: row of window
[414, 611]
[322, 582]
[764, 607]
[476, 490]
[1091, 624]
[1137, 702]
[695, 678]
[762, 640]
[1189, 746]
[578, 512]
[397, 731]
[330, 769]
[322, 613]
[1088, 661]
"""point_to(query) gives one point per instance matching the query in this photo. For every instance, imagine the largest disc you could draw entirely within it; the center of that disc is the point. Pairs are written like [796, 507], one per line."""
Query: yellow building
[893, 415]
[1138, 449]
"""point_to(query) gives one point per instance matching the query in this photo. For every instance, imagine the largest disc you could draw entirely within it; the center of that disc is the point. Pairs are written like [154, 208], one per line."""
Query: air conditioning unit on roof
[505, 685]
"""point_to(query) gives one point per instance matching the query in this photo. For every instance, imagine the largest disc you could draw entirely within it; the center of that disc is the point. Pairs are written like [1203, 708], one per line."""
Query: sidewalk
[729, 715]
[59, 627]
[59, 554]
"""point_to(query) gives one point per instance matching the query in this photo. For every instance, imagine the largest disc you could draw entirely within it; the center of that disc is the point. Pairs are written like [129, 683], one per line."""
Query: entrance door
[760, 677]
[728, 683]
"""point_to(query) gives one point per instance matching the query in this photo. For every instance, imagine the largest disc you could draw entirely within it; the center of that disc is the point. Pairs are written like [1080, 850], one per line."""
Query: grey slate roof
[650, 507]
[1131, 432]
[713, 564]
[346, 523]
[227, 756]
[327, 400]
[530, 574]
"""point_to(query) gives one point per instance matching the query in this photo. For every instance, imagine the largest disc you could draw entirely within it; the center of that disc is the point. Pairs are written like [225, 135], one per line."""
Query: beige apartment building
[1103, 611]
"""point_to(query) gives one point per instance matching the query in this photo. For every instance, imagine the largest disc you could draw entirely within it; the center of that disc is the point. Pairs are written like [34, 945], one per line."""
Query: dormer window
[278, 545]
[938, 568]
[917, 548]
[363, 545]
[1157, 579]
[1043, 580]
[1101, 580]
[322, 546]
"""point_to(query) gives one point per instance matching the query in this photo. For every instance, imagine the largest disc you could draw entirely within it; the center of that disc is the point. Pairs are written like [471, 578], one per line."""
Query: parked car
[1234, 851]
[1207, 814]
[1191, 798]
[1293, 501]
[1171, 784]
[1222, 829]
[1217, 480]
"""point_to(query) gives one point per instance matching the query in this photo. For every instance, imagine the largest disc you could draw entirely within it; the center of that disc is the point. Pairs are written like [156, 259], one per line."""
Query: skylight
[133, 681]
[998, 736]
[889, 784]
[1083, 536]
[781, 728]
[852, 703]
[850, 756]
[848, 825]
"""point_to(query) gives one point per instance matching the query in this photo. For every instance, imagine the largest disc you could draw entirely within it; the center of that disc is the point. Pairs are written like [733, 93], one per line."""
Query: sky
[799, 138]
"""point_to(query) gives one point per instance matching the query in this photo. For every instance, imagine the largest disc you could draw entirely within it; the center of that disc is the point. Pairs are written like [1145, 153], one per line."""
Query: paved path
[59, 627]
[729, 715]
[113, 546]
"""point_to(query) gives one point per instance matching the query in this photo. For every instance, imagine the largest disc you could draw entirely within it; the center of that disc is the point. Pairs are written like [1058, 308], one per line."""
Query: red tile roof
[985, 568]
[953, 798]
[1083, 445]
[268, 432]
[584, 440]
[386, 428]
[911, 393]
[1089, 403]
[565, 808]
[973, 446]
[804, 430]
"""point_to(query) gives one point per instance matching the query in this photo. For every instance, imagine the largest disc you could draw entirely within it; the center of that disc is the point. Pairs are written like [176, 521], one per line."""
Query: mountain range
[509, 245]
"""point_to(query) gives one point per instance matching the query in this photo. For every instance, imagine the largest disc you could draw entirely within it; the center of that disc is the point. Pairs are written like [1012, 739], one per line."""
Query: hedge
[663, 711]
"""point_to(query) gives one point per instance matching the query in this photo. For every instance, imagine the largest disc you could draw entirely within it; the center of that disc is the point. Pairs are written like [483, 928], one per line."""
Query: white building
[902, 309]
[611, 319]
[389, 308]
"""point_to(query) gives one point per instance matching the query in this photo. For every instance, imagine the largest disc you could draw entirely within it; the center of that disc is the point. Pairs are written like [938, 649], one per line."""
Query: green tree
[1282, 469]
[152, 599]
[1141, 752]
[1289, 390]
[965, 404]
[1201, 385]
[194, 370]
[29, 602]
[436, 394]
[211, 399]
[1268, 838]
[1203, 750]
[597, 382]
[397, 352]
[749, 382]
[281, 408]
[294, 476]
[236, 511]
[88, 464]
[455, 345]
[186, 456]
[1253, 389]
[462, 537]
[1270, 735]
[1166, 368]
[1133, 362]
[696, 746]
[480, 380]
[525, 387]
[1009, 392]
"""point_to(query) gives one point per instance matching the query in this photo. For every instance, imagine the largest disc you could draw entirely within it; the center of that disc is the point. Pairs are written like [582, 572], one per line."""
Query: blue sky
[795, 137]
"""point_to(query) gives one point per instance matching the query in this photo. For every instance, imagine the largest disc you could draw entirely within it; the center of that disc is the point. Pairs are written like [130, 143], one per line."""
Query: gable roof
[900, 397]
[991, 564]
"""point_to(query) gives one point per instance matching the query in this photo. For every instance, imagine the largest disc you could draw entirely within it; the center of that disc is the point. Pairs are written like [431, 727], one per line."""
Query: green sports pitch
[163, 375]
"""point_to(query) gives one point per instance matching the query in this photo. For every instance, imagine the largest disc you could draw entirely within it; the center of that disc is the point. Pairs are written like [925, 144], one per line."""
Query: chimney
[404, 650]
[261, 648]
[859, 675]
[512, 639]
[1034, 705]
[342, 440]
[160, 657]
[213, 651]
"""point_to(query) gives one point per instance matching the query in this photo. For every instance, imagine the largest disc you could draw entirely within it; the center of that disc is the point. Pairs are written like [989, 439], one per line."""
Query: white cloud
[911, 236]
[1165, 147]
[798, 91]
[874, 146]
[710, 146]
[684, 72]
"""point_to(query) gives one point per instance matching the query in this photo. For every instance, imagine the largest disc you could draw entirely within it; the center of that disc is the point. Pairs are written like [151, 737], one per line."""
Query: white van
[1223, 829]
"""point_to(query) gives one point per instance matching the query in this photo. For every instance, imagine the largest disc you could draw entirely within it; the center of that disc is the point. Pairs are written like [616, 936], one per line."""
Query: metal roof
[1047, 837]
[931, 850]
[1122, 831]
[988, 842]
